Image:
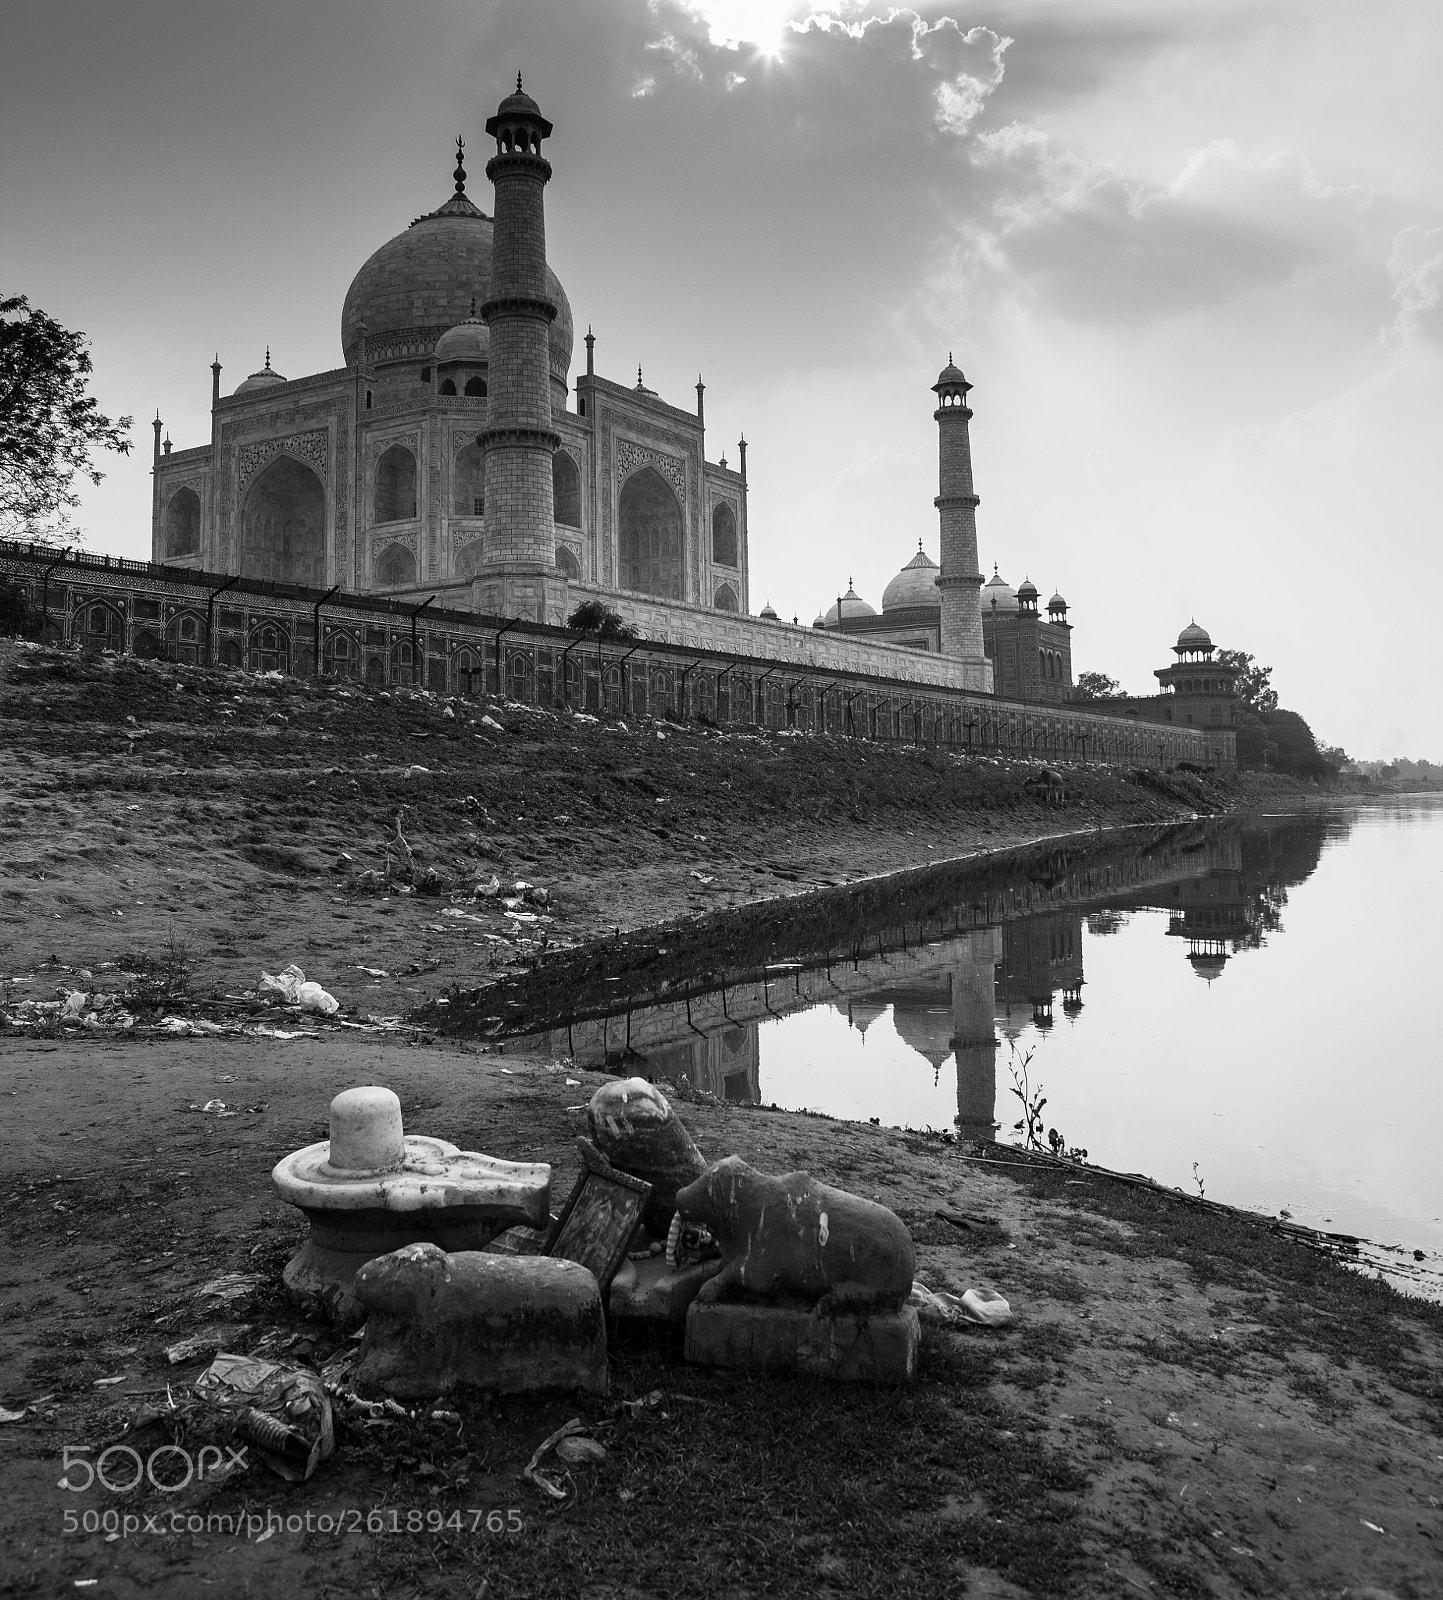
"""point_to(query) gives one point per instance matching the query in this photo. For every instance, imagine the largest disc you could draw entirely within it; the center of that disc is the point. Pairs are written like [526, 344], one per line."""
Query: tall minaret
[959, 580]
[518, 576]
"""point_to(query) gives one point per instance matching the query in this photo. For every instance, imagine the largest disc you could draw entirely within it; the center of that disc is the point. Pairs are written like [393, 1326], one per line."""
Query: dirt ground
[1188, 1404]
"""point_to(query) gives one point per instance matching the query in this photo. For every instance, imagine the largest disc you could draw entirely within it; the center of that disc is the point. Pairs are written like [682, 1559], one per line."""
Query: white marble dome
[998, 596]
[915, 585]
[852, 604]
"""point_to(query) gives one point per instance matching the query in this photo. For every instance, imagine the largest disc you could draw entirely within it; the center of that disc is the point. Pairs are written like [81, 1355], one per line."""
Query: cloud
[1416, 267]
[1102, 249]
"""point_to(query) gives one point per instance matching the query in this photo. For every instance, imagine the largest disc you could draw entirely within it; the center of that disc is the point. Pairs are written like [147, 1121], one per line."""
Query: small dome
[266, 378]
[998, 596]
[1208, 965]
[914, 585]
[853, 605]
[820, 622]
[1028, 590]
[467, 341]
[950, 377]
[1193, 637]
[1057, 603]
[767, 614]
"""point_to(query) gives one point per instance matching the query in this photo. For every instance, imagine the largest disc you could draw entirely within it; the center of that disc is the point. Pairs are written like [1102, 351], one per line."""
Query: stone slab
[655, 1292]
[510, 1324]
[759, 1338]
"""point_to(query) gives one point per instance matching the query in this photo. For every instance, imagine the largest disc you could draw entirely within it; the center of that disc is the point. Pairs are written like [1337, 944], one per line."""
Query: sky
[1190, 256]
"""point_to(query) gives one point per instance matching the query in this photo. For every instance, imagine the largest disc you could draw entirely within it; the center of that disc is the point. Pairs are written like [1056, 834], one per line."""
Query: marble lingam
[371, 1188]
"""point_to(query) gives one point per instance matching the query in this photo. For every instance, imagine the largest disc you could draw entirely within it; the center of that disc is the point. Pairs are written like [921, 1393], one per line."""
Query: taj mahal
[457, 454]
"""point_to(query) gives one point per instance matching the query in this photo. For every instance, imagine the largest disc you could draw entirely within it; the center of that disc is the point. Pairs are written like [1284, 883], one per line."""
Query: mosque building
[455, 454]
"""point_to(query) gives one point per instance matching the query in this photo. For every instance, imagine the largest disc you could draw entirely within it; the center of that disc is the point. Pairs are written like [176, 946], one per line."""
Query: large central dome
[421, 283]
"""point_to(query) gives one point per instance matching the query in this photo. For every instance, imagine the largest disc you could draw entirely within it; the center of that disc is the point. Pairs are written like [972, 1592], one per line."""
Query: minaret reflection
[974, 1037]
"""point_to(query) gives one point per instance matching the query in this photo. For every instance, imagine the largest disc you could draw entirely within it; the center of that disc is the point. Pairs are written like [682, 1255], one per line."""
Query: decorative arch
[395, 565]
[567, 564]
[184, 635]
[269, 648]
[447, 387]
[724, 536]
[395, 497]
[476, 388]
[469, 558]
[468, 479]
[283, 525]
[182, 524]
[726, 598]
[650, 536]
[566, 489]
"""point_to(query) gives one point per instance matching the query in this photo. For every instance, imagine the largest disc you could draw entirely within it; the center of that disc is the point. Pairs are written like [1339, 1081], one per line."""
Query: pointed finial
[919, 544]
[518, 83]
[638, 375]
[950, 361]
[473, 305]
[268, 358]
[460, 172]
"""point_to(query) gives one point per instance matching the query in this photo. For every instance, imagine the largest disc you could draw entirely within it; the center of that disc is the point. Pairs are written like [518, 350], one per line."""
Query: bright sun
[761, 23]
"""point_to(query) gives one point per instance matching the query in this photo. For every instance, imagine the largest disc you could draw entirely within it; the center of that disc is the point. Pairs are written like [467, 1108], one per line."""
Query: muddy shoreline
[1190, 1404]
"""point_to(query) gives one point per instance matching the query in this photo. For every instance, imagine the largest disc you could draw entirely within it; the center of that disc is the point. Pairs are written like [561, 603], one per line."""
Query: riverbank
[1188, 1404]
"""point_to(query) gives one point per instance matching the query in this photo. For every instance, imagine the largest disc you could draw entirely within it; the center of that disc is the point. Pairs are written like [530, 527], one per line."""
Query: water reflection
[1173, 1016]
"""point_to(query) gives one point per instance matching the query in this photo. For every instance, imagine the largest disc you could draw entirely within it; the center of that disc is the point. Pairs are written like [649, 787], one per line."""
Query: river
[1237, 1008]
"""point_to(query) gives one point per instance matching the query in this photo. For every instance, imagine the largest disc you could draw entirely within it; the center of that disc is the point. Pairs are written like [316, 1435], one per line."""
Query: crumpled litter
[283, 1410]
[983, 1306]
[292, 987]
[286, 985]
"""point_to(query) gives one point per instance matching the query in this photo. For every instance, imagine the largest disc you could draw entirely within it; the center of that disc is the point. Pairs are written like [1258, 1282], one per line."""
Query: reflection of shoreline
[1012, 948]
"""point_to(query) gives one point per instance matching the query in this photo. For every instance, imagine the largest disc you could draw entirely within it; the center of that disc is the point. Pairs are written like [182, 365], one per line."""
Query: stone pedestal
[760, 1338]
[654, 1292]
[510, 1324]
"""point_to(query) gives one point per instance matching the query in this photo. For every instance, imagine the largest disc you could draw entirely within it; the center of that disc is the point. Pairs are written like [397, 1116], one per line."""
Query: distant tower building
[518, 576]
[959, 580]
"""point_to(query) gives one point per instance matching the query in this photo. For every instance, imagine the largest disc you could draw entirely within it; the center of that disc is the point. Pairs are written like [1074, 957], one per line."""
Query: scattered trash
[417, 772]
[491, 722]
[230, 1291]
[283, 1410]
[982, 1306]
[286, 986]
[312, 997]
[547, 1485]
[576, 1447]
[205, 1343]
[374, 972]
[12, 1416]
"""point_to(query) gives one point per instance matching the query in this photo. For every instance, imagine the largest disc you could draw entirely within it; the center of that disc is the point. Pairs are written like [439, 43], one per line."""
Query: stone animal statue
[506, 1323]
[635, 1129]
[1050, 781]
[791, 1240]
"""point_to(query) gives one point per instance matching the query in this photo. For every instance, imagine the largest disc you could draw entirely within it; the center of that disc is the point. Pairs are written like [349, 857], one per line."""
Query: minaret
[215, 381]
[959, 580]
[518, 576]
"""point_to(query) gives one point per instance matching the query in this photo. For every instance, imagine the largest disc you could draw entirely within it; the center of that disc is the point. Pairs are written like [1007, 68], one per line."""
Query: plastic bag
[286, 986]
[313, 997]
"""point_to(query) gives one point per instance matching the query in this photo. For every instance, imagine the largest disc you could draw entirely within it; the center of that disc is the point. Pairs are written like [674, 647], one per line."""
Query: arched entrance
[650, 540]
[283, 525]
[182, 524]
[396, 485]
[396, 566]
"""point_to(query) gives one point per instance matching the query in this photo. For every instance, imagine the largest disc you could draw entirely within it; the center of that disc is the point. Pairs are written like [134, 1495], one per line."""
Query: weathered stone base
[758, 1338]
[505, 1323]
[654, 1292]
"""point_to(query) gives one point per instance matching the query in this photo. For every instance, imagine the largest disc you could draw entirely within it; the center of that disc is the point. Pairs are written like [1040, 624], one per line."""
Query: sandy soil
[1187, 1405]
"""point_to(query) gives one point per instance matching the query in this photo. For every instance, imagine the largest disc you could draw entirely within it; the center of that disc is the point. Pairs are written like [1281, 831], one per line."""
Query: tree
[1255, 688]
[598, 621]
[49, 424]
[14, 612]
[1096, 686]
